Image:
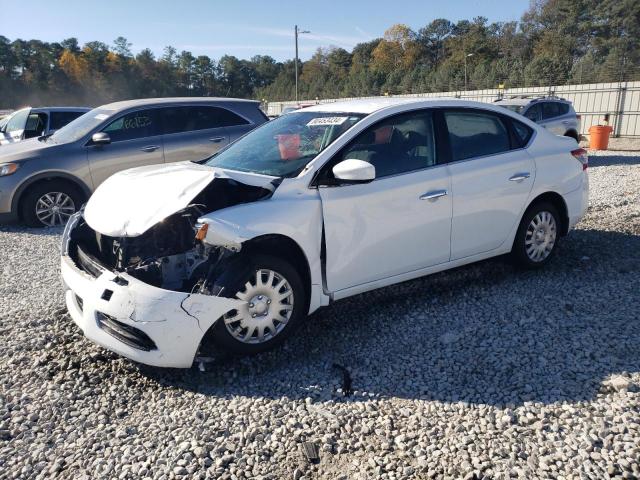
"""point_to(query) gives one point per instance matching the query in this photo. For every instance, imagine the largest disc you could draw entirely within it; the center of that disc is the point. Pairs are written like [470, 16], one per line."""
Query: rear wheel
[537, 236]
[275, 304]
[50, 204]
[573, 135]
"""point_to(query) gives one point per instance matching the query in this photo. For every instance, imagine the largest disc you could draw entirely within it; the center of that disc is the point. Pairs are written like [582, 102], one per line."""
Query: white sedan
[171, 263]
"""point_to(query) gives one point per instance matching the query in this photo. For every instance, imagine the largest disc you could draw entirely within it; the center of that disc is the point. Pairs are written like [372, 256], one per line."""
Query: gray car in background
[33, 122]
[555, 114]
[43, 181]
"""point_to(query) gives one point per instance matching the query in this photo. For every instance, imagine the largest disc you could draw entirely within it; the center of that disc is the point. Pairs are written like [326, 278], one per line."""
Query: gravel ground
[482, 372]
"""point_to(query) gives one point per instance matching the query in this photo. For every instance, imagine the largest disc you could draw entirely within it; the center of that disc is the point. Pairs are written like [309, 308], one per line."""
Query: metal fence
[620, 101]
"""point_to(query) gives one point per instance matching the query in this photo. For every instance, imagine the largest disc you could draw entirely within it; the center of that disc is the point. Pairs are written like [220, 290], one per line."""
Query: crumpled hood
[130, 202]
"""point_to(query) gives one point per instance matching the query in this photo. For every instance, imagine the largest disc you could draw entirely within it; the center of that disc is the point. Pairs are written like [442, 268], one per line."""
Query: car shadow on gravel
[484, 334]
[612, 159]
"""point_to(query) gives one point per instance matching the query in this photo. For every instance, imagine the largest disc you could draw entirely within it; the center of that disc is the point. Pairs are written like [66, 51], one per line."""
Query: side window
[175, 119]
[550, 110]
[400, 144]
[139, 124]
[563, 108]
[60, 119]
[475, 133]
[522, 131]
[187, 119]
[533, 113]
[226, 118]
[36, 125]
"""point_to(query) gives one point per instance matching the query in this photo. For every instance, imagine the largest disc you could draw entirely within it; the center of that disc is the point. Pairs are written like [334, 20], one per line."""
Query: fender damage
[137, 277]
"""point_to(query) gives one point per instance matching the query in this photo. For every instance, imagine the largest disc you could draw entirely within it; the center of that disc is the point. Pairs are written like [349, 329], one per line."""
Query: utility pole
[465, 69]
[296, 33]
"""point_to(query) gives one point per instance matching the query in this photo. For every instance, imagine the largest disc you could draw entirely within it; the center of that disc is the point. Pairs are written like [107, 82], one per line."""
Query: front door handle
[433, 195]
[150, 148]
[518, 177]
[216, 139]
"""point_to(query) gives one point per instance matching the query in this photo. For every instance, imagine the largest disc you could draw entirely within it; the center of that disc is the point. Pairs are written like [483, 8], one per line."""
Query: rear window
[554, 109]
[475, 134]
[522, 132]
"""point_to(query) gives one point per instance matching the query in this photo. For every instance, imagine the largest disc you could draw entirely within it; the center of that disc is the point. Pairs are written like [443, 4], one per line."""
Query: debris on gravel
[483, 372]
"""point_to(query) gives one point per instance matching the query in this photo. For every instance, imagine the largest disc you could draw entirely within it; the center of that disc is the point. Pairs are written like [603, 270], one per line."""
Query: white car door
[490, 180]
[398, 223]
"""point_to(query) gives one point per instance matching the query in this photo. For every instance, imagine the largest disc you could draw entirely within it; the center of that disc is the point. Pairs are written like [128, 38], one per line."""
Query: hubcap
[540, 237]
[54, 208]
[269, 306]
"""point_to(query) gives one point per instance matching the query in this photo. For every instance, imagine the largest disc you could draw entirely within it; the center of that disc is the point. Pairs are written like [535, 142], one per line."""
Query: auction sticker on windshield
[327, 121]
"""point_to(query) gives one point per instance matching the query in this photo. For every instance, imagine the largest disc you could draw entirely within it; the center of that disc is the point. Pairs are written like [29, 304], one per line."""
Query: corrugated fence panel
[621, 101]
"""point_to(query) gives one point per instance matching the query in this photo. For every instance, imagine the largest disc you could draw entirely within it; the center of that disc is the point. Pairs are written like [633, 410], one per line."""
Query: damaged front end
[148, 296]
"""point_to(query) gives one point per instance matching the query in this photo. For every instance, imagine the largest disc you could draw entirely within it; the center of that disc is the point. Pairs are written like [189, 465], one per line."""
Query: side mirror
[353, 170]
[100, 138]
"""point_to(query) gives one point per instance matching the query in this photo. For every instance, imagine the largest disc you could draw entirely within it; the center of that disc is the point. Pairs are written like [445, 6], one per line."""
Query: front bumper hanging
[147, 324]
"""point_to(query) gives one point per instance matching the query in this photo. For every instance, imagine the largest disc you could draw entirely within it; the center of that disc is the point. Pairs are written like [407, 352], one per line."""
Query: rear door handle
[216, 139]
[150, 148]
[518, 177]
[434, 194]
[566, 122]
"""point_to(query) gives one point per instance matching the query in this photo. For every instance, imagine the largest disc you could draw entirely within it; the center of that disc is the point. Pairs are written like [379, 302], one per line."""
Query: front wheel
[537, 236]
[275, 304]
[50, 204]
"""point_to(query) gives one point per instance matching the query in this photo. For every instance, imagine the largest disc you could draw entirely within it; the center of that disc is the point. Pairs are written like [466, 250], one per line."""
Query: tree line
[555, 42]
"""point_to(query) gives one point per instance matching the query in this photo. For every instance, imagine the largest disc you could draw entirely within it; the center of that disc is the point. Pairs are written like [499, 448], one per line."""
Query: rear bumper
[578, 202]
[143, 323]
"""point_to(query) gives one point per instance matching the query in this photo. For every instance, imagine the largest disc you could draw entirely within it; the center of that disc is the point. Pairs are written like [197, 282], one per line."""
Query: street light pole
[296, 32]
[465, 69]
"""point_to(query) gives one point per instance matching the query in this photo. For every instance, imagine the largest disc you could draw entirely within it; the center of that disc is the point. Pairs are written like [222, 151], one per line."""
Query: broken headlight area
[168, 255]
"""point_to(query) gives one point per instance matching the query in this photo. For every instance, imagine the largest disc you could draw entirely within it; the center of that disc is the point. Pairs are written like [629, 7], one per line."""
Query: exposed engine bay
[168, 255]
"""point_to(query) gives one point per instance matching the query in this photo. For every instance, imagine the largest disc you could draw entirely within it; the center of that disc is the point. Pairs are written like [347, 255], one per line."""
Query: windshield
[5, 120]
[514, 108]
[283, 147]
[82, 125]
[17, 121]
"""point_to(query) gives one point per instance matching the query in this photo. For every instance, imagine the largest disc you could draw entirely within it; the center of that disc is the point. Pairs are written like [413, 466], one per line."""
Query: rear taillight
[582, 156]
[579, 117]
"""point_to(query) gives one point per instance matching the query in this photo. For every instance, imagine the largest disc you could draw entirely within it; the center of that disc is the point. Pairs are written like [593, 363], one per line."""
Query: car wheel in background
[276, 304]
[50, 204]
[537, 236]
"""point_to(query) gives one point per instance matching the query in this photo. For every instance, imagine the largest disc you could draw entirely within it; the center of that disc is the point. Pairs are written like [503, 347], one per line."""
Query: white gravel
[482, 372]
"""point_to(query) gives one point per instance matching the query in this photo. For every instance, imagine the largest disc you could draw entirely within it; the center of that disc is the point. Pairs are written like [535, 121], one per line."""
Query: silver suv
[43, 181]
[33, 122]
[555, 114]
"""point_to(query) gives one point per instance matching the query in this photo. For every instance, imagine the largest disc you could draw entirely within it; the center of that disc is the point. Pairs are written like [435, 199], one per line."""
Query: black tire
[30, 199]
[574, 135]
[519, 250]
[238, 273]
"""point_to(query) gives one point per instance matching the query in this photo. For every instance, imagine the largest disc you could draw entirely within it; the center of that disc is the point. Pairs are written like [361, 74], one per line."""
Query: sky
[235, 27]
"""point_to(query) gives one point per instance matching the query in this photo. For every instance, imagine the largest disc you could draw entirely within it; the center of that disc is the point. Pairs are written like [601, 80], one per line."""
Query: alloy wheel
[55, 208]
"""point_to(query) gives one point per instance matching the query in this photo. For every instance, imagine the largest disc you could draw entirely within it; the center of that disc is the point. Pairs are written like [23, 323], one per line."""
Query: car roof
[60, 109]
[371, 105]
[173, 101]
[527, 101]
